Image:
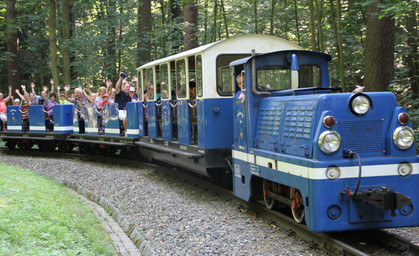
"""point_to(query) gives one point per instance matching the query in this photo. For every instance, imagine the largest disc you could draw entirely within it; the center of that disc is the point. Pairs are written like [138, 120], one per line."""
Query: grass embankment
[40, 217]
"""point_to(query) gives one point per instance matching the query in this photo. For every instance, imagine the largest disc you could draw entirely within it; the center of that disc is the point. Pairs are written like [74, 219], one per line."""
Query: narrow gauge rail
[341, 243]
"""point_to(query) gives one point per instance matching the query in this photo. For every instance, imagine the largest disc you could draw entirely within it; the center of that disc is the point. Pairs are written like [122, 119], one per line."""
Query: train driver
[240, 95]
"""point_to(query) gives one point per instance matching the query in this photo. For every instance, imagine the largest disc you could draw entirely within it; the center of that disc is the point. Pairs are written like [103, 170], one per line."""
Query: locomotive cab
[334, 158]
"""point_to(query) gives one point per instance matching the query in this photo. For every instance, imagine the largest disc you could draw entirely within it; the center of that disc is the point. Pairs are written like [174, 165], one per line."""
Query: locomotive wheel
[297, 206]
[269, 186]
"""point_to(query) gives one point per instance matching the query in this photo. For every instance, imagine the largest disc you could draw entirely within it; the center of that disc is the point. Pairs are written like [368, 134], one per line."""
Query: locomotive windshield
[273, 78]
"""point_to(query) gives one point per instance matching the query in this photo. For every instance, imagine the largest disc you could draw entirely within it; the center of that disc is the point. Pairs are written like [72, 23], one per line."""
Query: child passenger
[49, 107]
[104, 101]
[24, 109]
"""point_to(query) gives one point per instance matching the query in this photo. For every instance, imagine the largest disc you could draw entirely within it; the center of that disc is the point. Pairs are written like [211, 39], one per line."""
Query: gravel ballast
[175, 216]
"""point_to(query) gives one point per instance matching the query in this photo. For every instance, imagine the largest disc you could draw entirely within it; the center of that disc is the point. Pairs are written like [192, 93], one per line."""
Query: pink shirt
[3, 106]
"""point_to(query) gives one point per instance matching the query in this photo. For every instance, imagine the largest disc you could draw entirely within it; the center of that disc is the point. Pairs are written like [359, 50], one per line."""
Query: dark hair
[52, 94]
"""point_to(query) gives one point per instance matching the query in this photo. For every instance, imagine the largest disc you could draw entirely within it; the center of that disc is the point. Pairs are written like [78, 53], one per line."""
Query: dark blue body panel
[142, 124]
[183, 122]
[167, 120]
[152, 119]
[111, 119]
[355, 214]
[14, 119]
[215, 123]
[76, 128]
[91, 119]
[37, 119]
[63, 122]
[133, 130]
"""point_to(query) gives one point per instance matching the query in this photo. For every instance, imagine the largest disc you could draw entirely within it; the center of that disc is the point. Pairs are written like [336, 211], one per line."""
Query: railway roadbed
[177, 214]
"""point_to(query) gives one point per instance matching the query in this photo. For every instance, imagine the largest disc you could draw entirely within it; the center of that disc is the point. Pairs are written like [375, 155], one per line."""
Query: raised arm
[88, 89]
[25, 93]
[87, 96]
[20, 95]
[66, 89]
[118, 84]
[33, 88]
[109, 86]
[51, 81]
[10, 94]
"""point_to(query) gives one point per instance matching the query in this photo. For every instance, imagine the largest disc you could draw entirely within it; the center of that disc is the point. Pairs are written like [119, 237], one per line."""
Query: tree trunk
[163, 22]
[41, 64]
[144, 29]
[319, 27]
[190, 18]
[66, 41]
[340, 43]
[225, 18]
[285, 25]
[53, 42]
[296, 22]
[255, 9]
[206, 22]
[271, 19]
[312, 25]
[175, 18]
[379, 50]
[13, 65]
[413, 56]
[214, 26]
[335, 21]
[110, 44]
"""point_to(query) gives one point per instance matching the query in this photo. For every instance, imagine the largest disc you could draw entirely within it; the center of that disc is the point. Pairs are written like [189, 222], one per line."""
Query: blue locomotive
[268, 122]
[340, 161]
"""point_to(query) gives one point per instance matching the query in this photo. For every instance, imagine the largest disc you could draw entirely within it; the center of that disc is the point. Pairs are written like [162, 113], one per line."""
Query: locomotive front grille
[365, 137]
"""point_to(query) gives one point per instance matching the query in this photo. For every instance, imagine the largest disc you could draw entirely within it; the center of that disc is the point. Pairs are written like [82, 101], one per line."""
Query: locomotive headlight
[360, 104]
[403, 137]
[404, 169]
[329, 142]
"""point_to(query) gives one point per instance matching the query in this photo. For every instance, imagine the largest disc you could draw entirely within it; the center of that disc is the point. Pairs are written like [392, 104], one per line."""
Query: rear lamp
[360, 104]
[403, 137]
[403, 118]
[404, 169]
[329, 142]
[329, 121]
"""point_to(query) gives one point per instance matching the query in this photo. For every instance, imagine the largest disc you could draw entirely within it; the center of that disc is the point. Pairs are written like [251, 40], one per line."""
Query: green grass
[40, 217]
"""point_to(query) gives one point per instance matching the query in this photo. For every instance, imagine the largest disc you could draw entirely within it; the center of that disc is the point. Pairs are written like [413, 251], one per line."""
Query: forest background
[373, 43]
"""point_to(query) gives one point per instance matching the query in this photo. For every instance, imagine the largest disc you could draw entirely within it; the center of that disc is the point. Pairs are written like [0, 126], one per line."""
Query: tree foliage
[104, 35]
